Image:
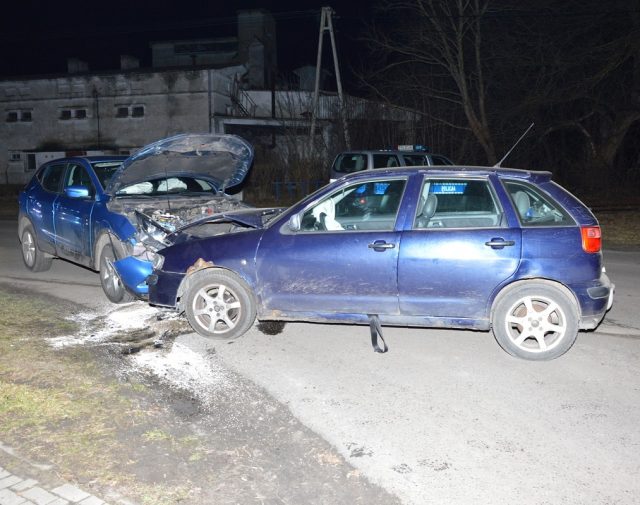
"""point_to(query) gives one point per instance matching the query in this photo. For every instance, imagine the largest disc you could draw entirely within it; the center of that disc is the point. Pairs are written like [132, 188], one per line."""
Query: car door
[342, 259]
[73, 215]
[458, 251]
[41, 201]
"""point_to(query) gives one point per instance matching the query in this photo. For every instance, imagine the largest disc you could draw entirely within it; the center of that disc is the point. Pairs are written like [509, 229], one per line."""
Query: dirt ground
[94, 415]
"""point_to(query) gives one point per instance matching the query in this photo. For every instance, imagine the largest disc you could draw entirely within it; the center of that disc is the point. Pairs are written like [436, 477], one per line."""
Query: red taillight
[591, 239]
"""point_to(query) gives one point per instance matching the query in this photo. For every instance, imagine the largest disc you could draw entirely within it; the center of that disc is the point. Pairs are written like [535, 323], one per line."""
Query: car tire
[219, 304]
[111, 285]
[34, 259]
[535, 320]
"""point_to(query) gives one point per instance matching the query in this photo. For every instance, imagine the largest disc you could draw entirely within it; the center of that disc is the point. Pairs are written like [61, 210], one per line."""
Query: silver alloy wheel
[28, 248]
[536, 324]
[111, 280]
[216, 308]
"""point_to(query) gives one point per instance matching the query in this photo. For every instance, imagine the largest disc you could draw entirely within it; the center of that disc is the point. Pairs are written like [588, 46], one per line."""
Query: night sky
[38, 37]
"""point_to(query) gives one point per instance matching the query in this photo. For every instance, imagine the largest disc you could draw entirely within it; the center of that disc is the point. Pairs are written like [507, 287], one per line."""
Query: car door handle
[499, 243]
[380, 245]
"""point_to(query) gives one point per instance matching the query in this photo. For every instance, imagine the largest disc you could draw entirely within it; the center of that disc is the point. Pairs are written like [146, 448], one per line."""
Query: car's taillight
[591, 239]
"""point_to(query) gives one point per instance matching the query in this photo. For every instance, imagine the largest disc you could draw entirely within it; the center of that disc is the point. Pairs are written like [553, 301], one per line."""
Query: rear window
[535, 208]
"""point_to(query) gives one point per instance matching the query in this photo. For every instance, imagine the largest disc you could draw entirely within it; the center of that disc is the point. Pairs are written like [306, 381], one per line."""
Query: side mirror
[76, 192]
[294, 222]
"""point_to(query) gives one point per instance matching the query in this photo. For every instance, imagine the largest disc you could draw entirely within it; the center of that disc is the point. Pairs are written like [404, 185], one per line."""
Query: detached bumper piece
[376, 333]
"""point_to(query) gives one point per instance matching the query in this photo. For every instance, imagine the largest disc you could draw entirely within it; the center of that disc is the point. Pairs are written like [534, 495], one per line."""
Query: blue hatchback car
[106, 211]
[459, 247]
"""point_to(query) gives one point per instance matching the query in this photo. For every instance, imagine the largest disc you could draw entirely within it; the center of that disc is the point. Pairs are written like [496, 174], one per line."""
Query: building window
[122, 112]
[129, 111]
[15, 156]
[13, 116]
[137, 111]
[73, 113]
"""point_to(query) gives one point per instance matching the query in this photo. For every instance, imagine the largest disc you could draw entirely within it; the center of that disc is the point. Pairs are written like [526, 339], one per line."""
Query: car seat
[523, 204]
[428, 210]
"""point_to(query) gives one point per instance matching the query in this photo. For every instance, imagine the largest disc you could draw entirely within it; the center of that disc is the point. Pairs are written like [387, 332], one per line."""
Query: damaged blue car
[458, 247]
[109, 213]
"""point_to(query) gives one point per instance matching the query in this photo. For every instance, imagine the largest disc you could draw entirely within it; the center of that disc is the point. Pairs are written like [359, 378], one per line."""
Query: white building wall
[116, 112]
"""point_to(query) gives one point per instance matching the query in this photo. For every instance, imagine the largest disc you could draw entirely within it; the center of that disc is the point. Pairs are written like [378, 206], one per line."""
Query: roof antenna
[497, 165]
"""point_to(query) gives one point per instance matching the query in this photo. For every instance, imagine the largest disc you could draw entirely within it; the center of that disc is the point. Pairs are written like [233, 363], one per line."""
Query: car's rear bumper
[596, 301]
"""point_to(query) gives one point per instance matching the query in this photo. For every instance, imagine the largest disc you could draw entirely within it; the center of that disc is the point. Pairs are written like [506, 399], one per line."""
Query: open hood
[223, 160]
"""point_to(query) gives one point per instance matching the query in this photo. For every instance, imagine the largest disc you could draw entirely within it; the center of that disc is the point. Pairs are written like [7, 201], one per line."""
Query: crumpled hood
[223, 160]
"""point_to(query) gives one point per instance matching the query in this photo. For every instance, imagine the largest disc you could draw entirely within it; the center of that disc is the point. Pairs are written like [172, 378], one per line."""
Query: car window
[363, 206]
[440, 160]
[457, 203]
[105, 170]
[51, 177]
[350, 162]
[77, 175]
[534, 208]
[415, 159]
[385, 161]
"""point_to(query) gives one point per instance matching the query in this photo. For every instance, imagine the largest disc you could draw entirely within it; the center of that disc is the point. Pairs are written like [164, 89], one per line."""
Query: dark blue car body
[483, 248]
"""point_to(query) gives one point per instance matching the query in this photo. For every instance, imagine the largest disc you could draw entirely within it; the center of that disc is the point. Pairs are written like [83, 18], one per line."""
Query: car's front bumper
[163, 288]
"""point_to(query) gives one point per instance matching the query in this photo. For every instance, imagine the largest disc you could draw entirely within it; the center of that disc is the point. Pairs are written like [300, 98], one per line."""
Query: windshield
[104, 170]
[171, 185]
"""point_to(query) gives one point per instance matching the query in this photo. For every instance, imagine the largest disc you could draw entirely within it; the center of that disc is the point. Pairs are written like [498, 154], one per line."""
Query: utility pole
[327, 24]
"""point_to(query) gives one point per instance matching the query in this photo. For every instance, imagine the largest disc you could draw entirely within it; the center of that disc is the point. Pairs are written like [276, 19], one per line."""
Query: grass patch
[621, 228]
[61, 407]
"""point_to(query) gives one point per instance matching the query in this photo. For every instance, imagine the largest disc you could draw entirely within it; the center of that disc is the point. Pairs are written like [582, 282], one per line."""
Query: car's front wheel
[535, 320]
[34, 259]
[109, 279]
[219, 304]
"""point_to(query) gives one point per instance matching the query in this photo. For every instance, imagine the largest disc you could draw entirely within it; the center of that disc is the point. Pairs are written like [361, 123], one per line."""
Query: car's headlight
[158, 261]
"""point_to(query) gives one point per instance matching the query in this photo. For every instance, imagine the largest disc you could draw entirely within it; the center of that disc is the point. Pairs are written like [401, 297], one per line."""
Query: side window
[350, 162]
[385, 161]
[364, 206]
[457, 203]
[440, 160]
[77, 175]
[414, 160]
[52, 176]
[534, 208]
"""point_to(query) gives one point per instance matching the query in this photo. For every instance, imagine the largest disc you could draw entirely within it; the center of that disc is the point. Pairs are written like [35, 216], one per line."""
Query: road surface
[445, 416]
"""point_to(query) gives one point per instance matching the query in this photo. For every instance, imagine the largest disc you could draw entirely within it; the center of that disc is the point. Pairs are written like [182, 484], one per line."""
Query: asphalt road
[446, 416]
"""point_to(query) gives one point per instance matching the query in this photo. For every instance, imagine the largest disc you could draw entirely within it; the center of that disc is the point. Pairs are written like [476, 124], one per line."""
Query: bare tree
[429, 55]
[579, 77]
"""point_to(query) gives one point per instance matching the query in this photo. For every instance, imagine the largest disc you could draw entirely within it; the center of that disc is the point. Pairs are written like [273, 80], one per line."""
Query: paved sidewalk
[15, 490]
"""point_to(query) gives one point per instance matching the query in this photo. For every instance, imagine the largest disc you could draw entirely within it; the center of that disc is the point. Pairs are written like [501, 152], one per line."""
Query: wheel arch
[23, 221]
[203, 269]
[107, 236]
[505, 290]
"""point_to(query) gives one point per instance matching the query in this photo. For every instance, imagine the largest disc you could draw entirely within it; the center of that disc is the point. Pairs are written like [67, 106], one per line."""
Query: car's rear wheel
[219, 304]
[109, 279]
[535, 320]
[34, 259]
